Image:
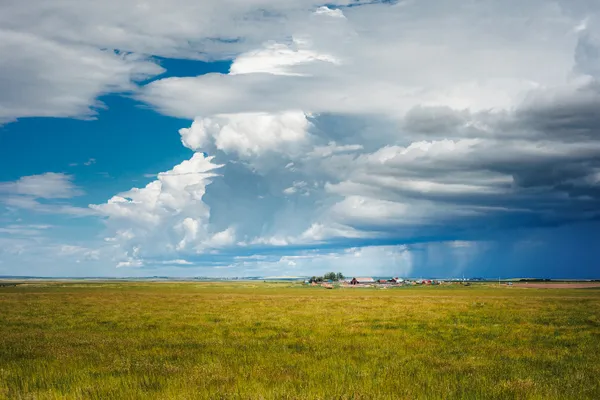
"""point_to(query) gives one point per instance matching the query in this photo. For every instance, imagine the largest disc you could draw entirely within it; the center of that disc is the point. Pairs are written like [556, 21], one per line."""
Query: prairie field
[255, 340]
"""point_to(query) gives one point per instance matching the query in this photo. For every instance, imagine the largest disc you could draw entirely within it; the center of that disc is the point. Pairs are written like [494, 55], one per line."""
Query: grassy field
[282, 341]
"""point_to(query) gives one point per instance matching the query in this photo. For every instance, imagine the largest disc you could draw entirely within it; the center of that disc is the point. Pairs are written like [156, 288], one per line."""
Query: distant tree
[330, 276]
[339, 276]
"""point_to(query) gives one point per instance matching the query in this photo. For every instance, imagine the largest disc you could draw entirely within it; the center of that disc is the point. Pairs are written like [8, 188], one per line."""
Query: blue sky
[263, 138]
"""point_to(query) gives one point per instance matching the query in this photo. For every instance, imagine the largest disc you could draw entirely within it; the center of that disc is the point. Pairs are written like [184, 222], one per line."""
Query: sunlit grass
[274, 341]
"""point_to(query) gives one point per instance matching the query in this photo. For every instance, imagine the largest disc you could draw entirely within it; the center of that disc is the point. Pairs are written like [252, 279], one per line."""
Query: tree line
[330, 276]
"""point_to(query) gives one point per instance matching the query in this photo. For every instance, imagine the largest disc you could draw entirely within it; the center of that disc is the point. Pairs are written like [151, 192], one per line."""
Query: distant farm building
[361, 281]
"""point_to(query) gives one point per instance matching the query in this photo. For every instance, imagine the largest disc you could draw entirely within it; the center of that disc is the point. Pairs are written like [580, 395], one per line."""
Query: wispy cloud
[87, 163]
[43, 193]
[24, 229]
[49, 185]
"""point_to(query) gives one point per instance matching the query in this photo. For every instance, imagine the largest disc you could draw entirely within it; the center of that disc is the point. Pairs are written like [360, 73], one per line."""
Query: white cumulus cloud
[249, 134]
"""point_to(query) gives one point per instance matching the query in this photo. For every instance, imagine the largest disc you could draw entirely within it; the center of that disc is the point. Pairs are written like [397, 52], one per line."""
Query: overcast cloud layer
[342, 137]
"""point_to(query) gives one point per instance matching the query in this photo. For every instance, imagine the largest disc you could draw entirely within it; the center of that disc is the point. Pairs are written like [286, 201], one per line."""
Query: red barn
[360, 281]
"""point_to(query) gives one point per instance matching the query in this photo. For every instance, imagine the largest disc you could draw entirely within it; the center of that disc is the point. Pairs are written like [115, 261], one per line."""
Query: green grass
[281, 341]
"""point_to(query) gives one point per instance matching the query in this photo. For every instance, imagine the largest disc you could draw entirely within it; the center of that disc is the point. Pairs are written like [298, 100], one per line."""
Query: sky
[231, 138]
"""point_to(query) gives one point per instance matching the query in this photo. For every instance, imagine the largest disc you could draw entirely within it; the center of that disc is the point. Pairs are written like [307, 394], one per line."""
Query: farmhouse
[360, 281]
